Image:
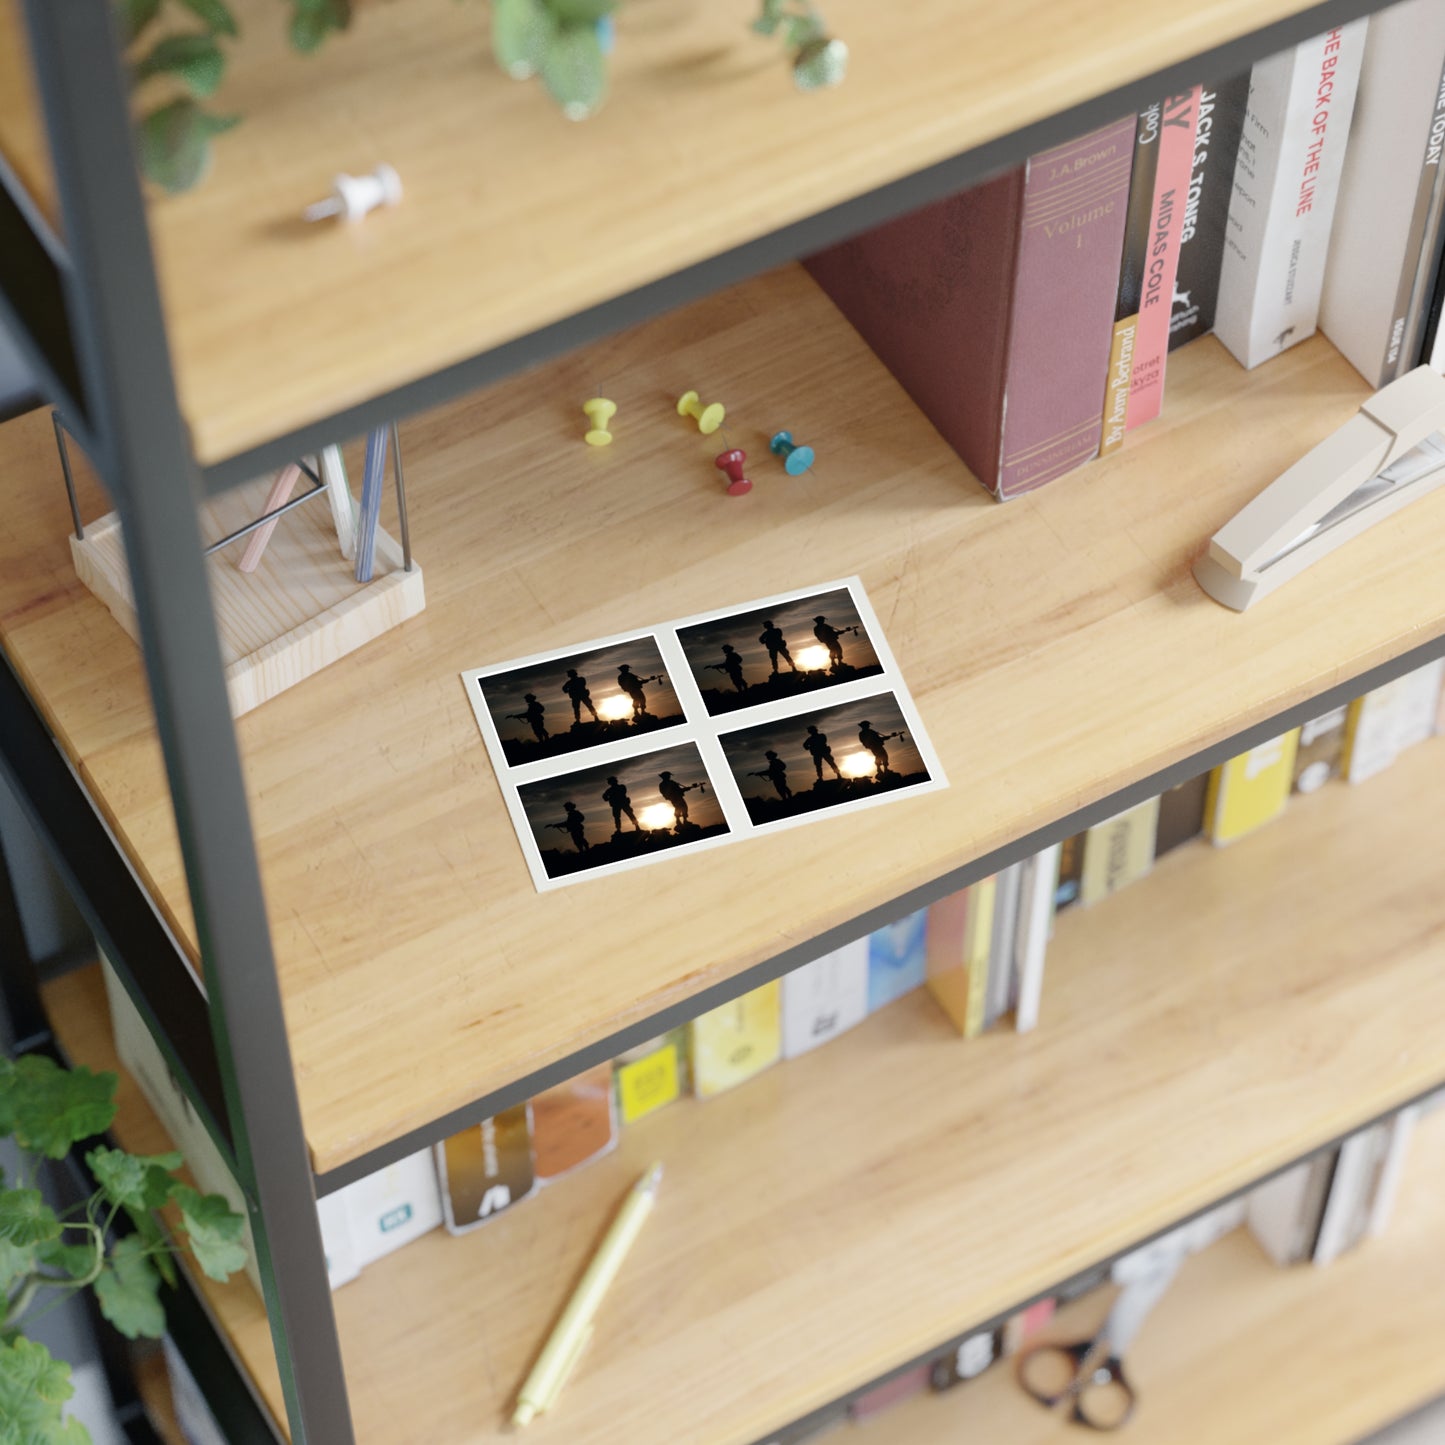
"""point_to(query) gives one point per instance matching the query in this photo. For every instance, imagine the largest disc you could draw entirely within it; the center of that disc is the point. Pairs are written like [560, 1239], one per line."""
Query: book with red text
[1177, 122]
[993, 307]
[1286, 183]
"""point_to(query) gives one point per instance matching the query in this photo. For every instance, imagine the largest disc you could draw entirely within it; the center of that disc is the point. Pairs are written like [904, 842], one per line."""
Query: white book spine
[1036, 918]
[824, 998]
[1286, 182]
[1003, 944]
[1387, 190]
[1387, 1186]
[1351, 1178]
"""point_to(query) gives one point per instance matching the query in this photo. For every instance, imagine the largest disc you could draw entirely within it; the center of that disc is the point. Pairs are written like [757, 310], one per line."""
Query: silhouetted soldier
[874, 741]
[777, 772]
[732, 664]
[675, 794]
[831, 638]
[575, 827]
[533, 715]
[576, 688]
[632, 685]
[817, 744]
[615, 796]
[772, 638]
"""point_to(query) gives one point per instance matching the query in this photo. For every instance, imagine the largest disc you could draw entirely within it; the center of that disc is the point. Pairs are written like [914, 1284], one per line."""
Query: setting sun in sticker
[615, 708]
[658, 815]
[812, 659]
[857, 765]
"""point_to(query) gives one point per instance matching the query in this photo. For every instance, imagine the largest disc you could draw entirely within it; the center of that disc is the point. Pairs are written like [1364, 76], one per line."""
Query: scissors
[1089, 1374]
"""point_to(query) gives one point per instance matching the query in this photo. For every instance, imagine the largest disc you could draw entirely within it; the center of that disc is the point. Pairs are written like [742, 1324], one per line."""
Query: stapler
[1381, 459]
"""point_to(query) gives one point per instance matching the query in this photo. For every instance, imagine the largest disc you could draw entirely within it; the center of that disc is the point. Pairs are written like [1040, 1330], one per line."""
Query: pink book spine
[1171, 191]
[1057, 361]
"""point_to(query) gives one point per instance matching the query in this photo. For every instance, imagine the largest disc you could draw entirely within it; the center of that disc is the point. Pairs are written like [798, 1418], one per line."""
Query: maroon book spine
[995, 308]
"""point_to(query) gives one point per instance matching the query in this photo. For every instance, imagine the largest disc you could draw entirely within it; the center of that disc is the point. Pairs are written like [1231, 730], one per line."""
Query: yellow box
[650, 1076]
[734, 1042]
[1251, 790]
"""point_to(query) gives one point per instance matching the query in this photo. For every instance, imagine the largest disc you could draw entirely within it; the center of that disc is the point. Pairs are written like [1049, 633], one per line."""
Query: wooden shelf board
[1057, 647]
[514, 218]
[847, 1211]
[22, 128]
[1243, 1351]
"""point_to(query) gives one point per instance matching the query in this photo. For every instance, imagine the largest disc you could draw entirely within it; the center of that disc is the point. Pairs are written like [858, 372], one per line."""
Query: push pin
[731, 462]
[599, 411]
[353, 196]
[709, 418]
[796, 460]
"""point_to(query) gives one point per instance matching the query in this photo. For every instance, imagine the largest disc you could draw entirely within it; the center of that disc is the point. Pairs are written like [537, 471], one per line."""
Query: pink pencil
[281, 490]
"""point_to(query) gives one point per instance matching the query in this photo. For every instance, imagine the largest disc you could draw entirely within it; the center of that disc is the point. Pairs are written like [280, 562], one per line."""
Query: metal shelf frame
[88, 316]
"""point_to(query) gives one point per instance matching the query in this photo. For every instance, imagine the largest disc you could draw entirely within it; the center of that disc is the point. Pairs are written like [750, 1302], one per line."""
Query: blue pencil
[372, 476]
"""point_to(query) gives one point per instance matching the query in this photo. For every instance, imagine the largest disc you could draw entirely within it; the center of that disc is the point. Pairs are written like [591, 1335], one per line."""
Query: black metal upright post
[144, 454]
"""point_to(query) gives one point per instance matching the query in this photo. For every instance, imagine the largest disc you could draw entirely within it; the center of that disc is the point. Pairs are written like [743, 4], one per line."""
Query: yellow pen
[572, 1331]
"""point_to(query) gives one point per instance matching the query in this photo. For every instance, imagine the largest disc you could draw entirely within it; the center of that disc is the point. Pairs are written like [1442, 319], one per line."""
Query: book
[395, 1205]
[892, 1392]
[993, 307]
[1206, 209]
[1283, 1214]
[1388, 189]
[1129, 292]
[486, 1169]
[573, 1123]
[1251, 790]
[1177, 124]
[825, 998]
[965, 1362]
[1286, 180]
[1386, 720]
[1037, 892]
[1321, 750]
[1400, 1130]
[1023, 1324]
[1181, 814]
[1001, 987]
[1342, 1225]
[737, 1040]
[896, 959]
[960, 937]
[1071, 869]
[650, 1076]
[1118, 851]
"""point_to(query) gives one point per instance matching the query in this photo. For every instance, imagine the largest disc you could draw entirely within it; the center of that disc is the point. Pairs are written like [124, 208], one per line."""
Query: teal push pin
[796, 460]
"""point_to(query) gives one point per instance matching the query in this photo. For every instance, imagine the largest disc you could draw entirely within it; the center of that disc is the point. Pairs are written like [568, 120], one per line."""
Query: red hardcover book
[1171, 193]
[995, 307]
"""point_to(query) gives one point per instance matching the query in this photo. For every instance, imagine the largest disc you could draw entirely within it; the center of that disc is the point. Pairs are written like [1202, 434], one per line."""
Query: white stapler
[1390, 453]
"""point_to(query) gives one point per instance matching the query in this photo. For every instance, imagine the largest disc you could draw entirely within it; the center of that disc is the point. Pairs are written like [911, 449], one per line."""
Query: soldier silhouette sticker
[620, 812]
[779, 650]
[823, 759]
[548, 709]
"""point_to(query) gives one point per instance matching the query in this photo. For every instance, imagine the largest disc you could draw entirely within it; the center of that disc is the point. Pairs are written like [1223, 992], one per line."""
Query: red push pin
[731, 462]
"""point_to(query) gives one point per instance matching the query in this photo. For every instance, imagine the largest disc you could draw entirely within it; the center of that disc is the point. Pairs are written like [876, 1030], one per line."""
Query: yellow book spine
[651, 1079]
[979, 945]
[734, 1042]
[946, 951]
[1251, 790]
[1116, 396]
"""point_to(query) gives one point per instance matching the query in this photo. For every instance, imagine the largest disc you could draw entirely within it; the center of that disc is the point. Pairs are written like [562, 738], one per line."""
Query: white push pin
[353, 196]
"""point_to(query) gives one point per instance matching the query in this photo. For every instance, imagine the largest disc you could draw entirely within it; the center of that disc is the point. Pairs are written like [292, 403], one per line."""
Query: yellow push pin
[709, 418]
[599, 411]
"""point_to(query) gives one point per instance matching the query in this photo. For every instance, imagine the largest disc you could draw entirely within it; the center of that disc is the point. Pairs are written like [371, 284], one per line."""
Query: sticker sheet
[625, 751]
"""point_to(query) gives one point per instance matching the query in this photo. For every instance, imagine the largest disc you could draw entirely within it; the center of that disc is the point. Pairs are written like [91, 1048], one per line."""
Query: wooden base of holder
[298, 611]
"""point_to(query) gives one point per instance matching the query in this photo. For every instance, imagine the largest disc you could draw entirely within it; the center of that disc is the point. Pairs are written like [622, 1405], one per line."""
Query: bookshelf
[393, 851]
[799, 1208]
[1311, 1339]
[1092, 665]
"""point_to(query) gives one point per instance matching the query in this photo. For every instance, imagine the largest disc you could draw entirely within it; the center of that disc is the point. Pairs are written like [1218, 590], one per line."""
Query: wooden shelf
[1057, 647]
[847, 1211]
[515, 218]
[1242, 1351]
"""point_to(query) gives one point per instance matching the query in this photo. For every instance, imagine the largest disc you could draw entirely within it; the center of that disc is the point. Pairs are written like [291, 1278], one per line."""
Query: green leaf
[54, 1108]
[820, 63]
[135, 15]
[16, 1261]
[804, 30]
[175, 145]
[581, 12]
[574, 70]
[313, 20]
[215, 15]
[522, 31]
[74, 1261]
[33, 1389]
[25, 1218]
[133, 1180]
[195, 60]
[9, 1085]
[214, 1229]
[128, 1290]
[156, 1241]
[769, 18]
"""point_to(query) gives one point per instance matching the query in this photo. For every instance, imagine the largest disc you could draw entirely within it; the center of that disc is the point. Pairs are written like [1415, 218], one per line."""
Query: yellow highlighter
[573, 1330]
